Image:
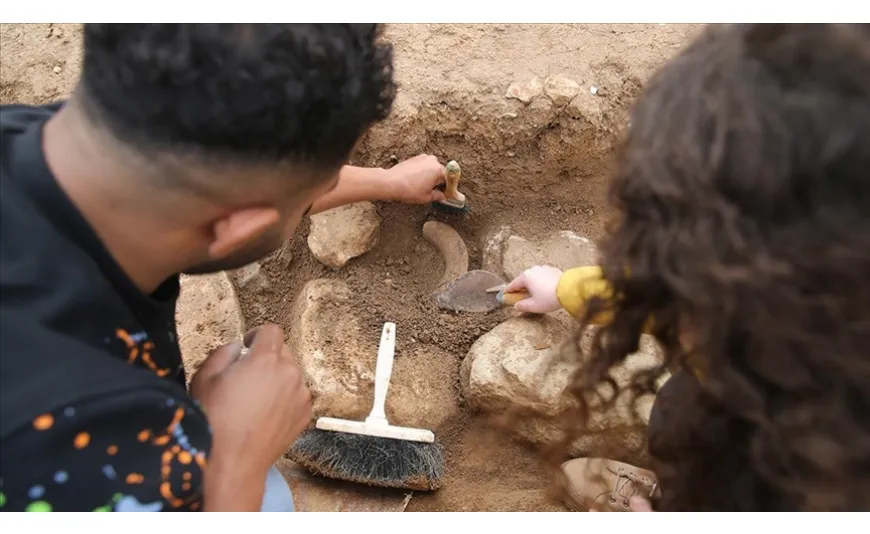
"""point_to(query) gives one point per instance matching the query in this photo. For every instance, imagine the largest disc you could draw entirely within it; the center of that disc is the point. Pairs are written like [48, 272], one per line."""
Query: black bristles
[374, 461]
[451, 209]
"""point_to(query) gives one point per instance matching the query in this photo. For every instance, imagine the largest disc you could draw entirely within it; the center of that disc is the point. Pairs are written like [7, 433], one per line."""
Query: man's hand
[414, 180]
[541, 283]
[257, 405]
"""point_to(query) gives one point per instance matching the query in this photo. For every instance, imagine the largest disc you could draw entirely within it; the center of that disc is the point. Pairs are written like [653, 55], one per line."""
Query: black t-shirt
[93, 409]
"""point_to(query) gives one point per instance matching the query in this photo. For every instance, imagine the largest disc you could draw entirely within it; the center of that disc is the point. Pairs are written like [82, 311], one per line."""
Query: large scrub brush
[373, 452]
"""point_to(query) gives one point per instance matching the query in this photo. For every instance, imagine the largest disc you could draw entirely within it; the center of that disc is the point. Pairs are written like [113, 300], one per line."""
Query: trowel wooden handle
[509, 299]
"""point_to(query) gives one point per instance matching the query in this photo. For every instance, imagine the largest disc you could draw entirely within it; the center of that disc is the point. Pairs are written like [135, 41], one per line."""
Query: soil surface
[537, 167]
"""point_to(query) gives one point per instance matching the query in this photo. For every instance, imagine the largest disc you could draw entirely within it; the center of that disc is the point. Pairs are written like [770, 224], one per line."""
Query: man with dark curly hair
[185, 148]
[743, 246]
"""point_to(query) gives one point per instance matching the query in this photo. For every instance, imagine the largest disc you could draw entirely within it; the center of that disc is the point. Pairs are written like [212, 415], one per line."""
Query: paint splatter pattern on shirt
[139, 451]
[139, 349]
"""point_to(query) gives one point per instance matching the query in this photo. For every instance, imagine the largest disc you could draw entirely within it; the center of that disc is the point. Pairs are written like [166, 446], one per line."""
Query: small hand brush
[455, 203]
[373, 452]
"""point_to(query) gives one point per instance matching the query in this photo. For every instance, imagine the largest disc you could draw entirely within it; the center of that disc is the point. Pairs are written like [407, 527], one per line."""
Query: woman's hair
[743, 198]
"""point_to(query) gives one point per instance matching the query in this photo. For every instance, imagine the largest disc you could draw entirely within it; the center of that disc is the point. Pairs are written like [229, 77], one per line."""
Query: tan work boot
[606, 485]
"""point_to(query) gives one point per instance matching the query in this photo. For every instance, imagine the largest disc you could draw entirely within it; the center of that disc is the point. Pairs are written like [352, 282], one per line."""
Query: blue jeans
[277, 497]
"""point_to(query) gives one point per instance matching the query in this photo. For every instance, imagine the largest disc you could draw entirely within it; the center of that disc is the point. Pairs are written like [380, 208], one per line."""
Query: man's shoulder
[44, 274]
[16, 117]
[55, 272]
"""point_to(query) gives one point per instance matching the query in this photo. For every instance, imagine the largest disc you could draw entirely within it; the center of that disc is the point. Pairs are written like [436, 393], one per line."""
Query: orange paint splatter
[194, 506]
[81, 440]
[143, 436]
[200, 459]
[135, 478]
[185, 486]
[186, 476]
[147, 347]
[146, 357]
[43, 422]
[179, 415]
[184, 457]
[162, 440]
[165, 471]
[166, 493]
[124, 336]
[112, 450]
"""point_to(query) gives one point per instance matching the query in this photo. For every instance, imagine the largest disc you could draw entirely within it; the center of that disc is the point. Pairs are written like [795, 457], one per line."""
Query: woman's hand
[541, 283]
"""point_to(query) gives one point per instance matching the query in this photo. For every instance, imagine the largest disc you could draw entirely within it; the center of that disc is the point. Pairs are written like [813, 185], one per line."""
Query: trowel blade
[468, 293]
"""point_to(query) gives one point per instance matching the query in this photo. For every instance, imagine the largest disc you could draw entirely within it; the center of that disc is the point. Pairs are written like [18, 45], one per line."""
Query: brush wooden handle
[509, 299]
[383, 372]
[452, 174]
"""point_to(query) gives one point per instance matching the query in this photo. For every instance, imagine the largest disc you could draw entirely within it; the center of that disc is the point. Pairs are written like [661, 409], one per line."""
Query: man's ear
[237, 229]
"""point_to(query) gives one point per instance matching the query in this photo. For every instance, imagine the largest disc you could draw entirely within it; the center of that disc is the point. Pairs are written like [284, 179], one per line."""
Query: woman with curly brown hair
[743, 245]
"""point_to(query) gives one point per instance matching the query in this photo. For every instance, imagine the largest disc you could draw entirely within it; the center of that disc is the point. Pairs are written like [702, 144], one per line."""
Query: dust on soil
[544, 171]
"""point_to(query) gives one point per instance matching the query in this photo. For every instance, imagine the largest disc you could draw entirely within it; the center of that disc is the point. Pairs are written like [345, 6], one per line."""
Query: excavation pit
[530, 112]
[535, 157]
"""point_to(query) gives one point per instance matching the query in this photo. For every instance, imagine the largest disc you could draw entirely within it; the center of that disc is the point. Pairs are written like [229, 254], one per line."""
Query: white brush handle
[383, 372]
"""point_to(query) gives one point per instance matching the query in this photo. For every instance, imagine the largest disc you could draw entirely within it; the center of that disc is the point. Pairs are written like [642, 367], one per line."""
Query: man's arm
[355, 184]
[412, 181]
[142, 450]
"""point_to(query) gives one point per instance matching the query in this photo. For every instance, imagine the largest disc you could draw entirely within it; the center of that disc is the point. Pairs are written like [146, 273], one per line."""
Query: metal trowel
[476, 292]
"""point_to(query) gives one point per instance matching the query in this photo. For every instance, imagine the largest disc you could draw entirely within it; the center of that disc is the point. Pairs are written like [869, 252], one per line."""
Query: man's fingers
[265, 338]
[219, 359]
[301, 408]
[438, 196]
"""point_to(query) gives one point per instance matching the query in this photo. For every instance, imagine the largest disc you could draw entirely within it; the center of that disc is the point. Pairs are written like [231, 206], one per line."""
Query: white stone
[561, 89]
[207, 317]
[590, 108]
[343, 233]
[519, 368]
[525, 91]
[493, 249]
[563, 250]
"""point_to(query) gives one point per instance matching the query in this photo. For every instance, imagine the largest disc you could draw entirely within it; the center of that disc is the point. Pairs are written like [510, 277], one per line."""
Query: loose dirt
[536, 167]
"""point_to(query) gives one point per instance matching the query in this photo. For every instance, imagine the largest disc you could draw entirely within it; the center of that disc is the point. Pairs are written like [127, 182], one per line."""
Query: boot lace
[628, 485]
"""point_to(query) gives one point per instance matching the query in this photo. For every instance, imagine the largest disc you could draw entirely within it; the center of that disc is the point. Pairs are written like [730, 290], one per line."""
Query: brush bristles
[451, 209]
[374, 461]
